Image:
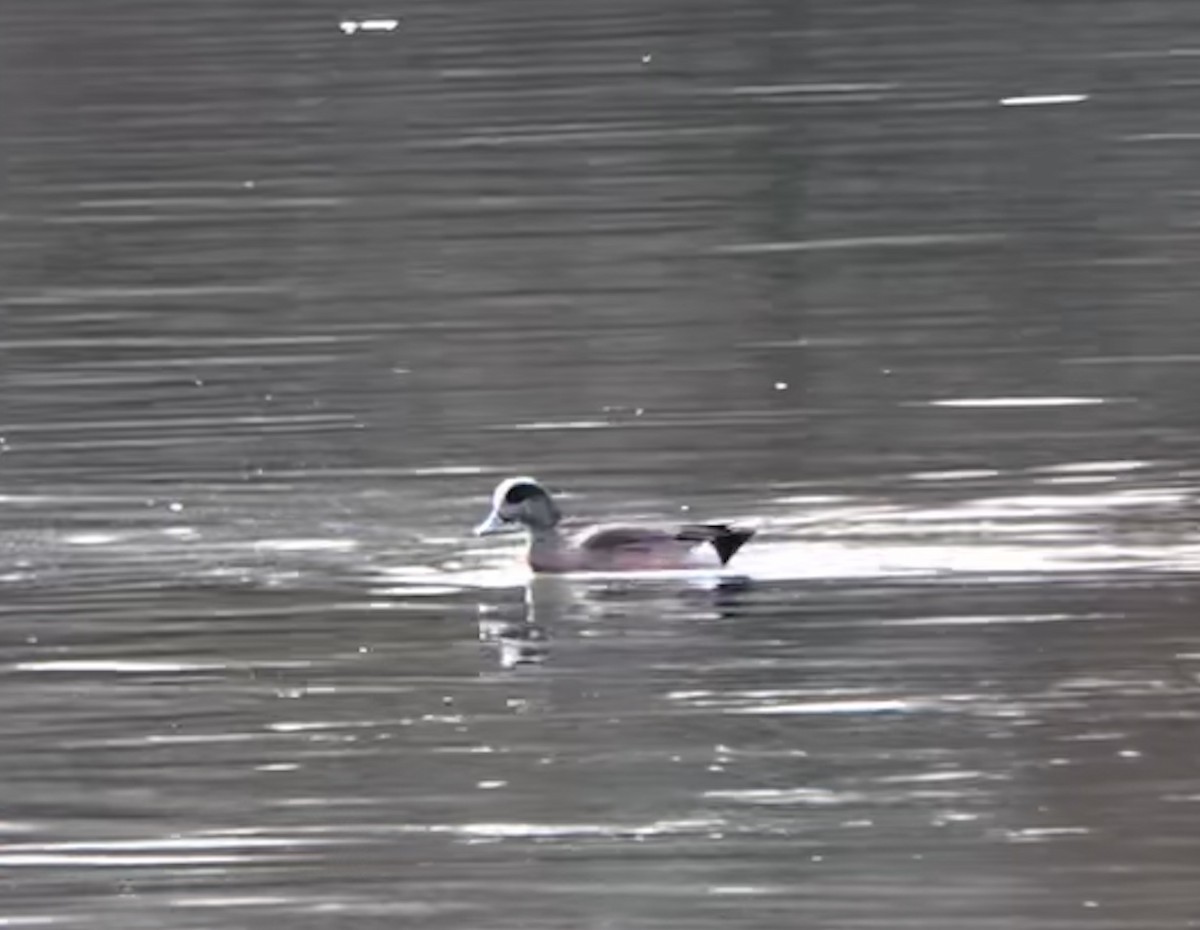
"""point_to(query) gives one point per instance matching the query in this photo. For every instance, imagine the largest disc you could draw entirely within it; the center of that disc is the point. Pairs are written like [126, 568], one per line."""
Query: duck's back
[619, 546]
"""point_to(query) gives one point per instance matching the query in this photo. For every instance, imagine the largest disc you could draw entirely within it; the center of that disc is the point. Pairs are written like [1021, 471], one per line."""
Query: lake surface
[288, 289]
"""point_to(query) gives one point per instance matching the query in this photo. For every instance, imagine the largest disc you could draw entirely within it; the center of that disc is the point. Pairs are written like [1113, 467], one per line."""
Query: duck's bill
[493, 524]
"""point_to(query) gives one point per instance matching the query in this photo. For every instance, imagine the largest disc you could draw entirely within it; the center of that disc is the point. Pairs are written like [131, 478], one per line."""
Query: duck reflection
[523, 639]
[517, 643]
[520, 633]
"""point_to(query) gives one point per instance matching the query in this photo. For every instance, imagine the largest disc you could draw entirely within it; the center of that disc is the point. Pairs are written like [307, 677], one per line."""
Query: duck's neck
[546, 545]
[544, 536]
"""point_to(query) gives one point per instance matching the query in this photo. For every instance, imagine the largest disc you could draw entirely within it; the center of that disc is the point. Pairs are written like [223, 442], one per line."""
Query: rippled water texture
[910, 288]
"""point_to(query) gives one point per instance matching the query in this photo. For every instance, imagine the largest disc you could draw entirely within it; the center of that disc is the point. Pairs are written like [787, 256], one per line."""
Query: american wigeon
[524, 502]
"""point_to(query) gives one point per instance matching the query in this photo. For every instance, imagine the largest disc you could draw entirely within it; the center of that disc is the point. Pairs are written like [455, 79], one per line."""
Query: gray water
[910, 288]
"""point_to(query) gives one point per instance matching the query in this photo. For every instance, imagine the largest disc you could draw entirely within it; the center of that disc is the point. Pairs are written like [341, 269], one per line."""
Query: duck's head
[521, 502]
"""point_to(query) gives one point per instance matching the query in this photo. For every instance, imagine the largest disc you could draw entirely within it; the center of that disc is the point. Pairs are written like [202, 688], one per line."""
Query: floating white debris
[562, 424]
[90, 539]
[865, 706]
[503, 831]
[1090, 467]
[816, 796]
[781, 385]
[956, 474]
[115, 666]
[306, 545]
[351, 26]
[1043, 100]
[1018, 402]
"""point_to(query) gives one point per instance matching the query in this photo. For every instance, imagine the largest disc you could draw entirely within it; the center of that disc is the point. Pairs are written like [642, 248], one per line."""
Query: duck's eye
[521, 493]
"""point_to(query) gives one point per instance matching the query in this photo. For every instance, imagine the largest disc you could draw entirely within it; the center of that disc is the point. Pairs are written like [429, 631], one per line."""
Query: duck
[524, 502]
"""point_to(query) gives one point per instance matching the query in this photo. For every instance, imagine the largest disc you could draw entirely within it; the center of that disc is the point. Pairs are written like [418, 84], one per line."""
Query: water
[910, 291]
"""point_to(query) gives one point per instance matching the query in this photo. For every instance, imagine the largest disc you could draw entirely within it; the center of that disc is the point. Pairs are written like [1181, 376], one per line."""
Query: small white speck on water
[639, 411]
[647, 58]
[781, 385]
[685, 507]
[1129, 754]
[1091, 903]
[491, 784]
[363, 649]
[175, 507]
[350, 26]
[249, 185]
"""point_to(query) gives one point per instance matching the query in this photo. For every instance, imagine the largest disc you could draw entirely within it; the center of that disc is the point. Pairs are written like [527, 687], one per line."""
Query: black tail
[724, 539]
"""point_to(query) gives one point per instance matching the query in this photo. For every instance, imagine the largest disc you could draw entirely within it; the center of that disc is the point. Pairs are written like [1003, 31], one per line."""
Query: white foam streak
[1020, 402]
[1043, 100]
